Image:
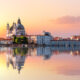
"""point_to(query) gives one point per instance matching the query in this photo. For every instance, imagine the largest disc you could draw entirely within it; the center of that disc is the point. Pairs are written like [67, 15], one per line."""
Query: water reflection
[47, 52]
[16, 57]
[58, 60]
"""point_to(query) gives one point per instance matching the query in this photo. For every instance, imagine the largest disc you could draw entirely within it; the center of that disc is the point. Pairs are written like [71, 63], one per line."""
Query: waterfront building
[65, 43]
[6, 41]
[44, 39]
[47, 40]
[76, 37]
[15, 29]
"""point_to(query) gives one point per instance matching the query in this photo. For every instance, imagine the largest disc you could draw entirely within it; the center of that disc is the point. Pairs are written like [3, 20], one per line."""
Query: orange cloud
[67, 20]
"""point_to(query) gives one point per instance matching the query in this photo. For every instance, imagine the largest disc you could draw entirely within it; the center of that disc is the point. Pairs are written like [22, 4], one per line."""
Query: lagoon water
[41, 63]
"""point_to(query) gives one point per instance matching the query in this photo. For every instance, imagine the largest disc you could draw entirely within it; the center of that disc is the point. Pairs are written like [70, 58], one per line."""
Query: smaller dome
[11, 28]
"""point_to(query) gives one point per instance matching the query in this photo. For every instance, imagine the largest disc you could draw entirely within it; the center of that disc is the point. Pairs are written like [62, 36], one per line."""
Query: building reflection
[75, 53]
[16, 57]
[47, 52]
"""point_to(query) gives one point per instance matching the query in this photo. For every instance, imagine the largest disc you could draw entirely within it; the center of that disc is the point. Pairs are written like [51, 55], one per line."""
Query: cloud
[69, 72]
[67, 20]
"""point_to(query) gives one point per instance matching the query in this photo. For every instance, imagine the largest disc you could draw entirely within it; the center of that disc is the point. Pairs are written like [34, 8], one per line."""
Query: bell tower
[15, 29]
[7, 31]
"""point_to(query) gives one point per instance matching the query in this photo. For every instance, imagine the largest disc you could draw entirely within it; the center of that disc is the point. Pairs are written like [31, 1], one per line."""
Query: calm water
[42, 63]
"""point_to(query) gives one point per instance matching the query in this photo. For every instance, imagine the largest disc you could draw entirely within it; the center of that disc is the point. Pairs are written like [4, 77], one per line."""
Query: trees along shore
[20, 40]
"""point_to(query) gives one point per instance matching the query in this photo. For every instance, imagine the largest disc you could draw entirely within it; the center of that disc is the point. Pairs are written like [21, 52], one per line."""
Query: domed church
[15, 29]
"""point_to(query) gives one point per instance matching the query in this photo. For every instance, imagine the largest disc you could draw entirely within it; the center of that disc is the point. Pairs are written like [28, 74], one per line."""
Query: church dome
[20, 26]
[16, 29]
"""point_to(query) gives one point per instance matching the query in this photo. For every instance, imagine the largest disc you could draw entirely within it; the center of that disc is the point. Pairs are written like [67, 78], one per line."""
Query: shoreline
[35, 45]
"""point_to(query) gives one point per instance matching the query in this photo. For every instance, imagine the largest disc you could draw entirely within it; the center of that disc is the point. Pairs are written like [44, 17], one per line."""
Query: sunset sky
[60, 17]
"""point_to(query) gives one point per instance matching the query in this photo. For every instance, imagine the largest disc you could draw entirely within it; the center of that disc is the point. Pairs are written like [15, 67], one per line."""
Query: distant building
[15, 29]
[44, 39]
[57, 38]
[66, 43]
[6, 41]
[77, 37]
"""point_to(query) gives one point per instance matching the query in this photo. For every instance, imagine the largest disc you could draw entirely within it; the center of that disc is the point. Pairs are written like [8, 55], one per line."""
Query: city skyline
[61, 18]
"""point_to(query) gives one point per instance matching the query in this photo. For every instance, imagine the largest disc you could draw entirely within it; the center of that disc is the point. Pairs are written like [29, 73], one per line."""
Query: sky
[60, 17]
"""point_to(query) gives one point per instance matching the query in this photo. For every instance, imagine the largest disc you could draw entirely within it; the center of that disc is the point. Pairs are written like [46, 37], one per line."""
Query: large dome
[20, 26]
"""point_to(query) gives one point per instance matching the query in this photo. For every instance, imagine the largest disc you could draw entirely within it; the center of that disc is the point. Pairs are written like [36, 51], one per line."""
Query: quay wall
[65, 43]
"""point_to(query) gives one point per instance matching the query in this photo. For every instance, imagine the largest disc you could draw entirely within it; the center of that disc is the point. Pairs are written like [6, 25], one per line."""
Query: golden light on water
[60, 66]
